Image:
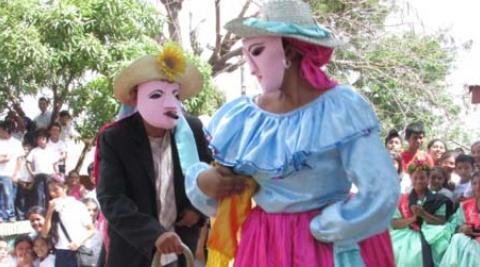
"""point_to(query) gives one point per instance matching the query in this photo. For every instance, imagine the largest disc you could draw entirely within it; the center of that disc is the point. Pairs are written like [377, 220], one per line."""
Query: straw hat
[286, 18]
[168, 65]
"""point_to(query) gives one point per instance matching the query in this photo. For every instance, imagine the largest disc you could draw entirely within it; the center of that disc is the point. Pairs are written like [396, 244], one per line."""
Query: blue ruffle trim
[250, 139]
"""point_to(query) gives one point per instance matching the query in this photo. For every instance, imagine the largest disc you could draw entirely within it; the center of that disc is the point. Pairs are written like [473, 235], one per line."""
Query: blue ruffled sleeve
[368, 165]
[202, 202]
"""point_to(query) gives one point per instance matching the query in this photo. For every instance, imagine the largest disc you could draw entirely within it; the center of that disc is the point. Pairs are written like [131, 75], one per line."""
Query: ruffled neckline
[251, 139]
[251, 101]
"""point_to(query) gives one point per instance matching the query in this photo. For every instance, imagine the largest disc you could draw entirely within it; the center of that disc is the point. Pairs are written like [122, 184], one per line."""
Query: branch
[194, 44]
[173, 7]
[224, 46]
[221, 63]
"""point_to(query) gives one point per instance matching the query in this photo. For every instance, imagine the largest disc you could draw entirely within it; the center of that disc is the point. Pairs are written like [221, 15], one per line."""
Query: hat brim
[146, 69]
[237, 27]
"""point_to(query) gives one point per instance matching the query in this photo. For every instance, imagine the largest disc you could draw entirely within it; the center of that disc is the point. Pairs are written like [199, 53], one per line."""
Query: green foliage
[209, 99]
[402, 75]
[73, 48]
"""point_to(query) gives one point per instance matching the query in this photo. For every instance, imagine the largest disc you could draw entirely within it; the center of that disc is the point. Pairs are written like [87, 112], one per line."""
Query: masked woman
[304, 140]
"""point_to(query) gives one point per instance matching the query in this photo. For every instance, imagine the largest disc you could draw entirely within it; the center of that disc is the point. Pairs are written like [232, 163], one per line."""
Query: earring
[286, 63]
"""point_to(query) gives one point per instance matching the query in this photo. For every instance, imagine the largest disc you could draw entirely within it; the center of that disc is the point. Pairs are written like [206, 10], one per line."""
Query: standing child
[68, 223]
[41, 164]
[43, 250]
[464, 165]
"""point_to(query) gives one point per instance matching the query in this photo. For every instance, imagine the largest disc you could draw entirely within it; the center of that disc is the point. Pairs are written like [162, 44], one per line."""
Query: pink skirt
[284, 240]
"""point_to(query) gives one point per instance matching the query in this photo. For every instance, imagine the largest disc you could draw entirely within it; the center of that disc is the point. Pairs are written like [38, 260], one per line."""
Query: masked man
[142, 159]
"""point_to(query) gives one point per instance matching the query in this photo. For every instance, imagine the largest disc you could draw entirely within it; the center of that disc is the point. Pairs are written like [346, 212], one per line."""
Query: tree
[23, 54]
[75, 48]
[403, 74]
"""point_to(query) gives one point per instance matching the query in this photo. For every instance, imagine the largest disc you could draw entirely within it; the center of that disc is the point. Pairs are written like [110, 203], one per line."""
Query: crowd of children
[436, 222]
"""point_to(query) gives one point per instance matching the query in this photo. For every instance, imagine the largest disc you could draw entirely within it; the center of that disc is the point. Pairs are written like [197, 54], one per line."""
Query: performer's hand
[188, 218]
[169, 242]
[220, 182]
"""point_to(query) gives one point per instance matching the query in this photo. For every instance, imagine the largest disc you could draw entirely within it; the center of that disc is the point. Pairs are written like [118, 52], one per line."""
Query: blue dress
[307, 159]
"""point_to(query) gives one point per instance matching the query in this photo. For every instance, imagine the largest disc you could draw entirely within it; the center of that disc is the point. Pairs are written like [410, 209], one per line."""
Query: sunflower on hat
[170, 64]
[172, 61]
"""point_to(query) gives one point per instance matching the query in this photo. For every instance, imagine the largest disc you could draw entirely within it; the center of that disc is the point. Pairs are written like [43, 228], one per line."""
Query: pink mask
[266, 58]
[158, 103]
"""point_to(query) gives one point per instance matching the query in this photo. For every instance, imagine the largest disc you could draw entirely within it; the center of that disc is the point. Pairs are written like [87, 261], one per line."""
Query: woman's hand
[220, 182]
[416, 210]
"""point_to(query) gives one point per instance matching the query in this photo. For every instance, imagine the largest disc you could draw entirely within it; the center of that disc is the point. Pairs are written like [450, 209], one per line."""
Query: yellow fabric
[231, 213]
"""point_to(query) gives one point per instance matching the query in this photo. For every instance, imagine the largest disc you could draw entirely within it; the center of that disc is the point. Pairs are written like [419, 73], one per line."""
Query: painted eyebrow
[156, 91]
[254, 44]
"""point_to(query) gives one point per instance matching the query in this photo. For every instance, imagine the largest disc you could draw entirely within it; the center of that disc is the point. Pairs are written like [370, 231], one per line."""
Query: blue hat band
[312, 31]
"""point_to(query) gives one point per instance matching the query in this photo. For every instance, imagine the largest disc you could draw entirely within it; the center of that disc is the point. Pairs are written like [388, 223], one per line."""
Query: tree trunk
[87, 145]
[173, 8]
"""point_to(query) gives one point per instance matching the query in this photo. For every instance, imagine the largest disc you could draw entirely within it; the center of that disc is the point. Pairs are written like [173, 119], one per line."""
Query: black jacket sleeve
[138, 229]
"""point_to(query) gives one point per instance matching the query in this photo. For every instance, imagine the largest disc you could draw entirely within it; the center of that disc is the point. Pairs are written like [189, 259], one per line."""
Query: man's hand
[188, 218]
[169, 242]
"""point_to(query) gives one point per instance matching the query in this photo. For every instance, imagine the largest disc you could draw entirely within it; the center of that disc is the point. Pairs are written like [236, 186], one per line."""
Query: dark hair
[47, 240]
[460, 150]
[22, 238]
[465, 158]
[36, 210]
[433, 141]
[3, 239]
[476, 174]
[90, 169]
[392, 134]
[449, 153]
[398, 158]
[55, 222]
[6, 126]
[72, 172]
[43, 99]
[439, 171]
[51, 180]
[414, 128]
[41, 133]
[87, 200]
[476, 143]
[64, 113]
[56, 124]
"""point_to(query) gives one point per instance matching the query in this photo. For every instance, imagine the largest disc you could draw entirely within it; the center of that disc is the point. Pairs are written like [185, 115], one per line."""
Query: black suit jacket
[126, 191]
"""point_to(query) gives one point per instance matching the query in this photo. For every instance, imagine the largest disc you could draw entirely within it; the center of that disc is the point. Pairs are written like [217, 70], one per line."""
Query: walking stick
[186, 252]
